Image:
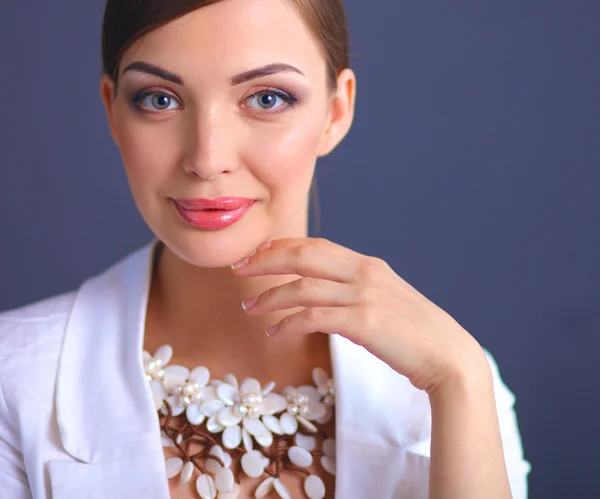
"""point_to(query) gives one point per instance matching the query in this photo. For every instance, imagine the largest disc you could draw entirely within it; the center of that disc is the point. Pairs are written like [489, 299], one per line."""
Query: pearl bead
[251, 399]
[240, 409]
[189, 389]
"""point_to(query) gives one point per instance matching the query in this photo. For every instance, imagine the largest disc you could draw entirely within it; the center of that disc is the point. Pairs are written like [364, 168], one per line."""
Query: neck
[198, 312]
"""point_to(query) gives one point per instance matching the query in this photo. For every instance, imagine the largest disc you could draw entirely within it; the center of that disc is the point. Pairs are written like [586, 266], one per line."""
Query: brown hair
[125, 21]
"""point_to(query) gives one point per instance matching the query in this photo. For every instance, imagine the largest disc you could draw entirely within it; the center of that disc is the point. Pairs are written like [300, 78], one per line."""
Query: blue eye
[155, 101]
[267, 99]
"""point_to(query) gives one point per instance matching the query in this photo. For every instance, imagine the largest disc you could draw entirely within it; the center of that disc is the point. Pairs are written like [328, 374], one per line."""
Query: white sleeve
[13, 479]
[516, 466]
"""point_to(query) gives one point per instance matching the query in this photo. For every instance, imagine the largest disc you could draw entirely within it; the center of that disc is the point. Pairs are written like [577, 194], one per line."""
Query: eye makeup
[138, 98]
[289, 99]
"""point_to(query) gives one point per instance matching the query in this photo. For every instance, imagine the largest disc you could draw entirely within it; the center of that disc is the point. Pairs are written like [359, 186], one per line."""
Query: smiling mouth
[212, 218]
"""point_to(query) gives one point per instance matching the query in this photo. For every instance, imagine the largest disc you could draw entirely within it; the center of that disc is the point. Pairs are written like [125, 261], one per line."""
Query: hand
[362, 298]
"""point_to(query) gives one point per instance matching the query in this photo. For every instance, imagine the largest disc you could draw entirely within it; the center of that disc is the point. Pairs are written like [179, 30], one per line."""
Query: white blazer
[77, 418]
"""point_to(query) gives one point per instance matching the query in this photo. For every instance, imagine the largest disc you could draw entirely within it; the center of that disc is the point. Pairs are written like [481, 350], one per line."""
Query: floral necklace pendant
[224, 430]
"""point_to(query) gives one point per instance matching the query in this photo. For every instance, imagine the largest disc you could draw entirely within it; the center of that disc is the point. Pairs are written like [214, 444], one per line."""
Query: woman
[220, 109]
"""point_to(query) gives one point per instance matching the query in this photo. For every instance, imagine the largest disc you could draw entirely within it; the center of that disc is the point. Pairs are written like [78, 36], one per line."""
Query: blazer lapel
[105, 411]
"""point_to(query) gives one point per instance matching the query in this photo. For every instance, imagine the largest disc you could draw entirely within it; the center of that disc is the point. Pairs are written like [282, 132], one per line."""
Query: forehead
[231, 36]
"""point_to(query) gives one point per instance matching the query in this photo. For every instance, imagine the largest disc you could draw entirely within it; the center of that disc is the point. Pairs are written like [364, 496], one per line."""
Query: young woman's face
[208, 132]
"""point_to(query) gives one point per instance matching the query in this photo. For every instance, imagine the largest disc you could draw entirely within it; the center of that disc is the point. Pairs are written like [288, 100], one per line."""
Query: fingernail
[272, 330]
[264, 246]
[241, 263]
[246, 304]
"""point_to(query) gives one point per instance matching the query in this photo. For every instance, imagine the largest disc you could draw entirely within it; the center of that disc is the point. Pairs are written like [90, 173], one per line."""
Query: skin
[215, 140]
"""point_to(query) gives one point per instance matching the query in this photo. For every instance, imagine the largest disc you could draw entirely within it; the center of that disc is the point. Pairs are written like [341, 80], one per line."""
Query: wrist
[471, 376]
[467, 458]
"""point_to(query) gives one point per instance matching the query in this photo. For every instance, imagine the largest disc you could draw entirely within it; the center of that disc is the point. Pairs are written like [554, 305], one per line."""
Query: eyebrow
[269, 69]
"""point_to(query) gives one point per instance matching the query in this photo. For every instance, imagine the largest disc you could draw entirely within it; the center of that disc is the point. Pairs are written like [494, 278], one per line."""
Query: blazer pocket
[141, 476]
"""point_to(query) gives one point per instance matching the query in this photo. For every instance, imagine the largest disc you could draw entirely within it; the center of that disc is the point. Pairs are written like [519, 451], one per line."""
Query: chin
[209, 249]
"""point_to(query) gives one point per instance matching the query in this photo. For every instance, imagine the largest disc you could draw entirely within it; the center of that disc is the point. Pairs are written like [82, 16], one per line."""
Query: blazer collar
[104, 408]
[109, 417]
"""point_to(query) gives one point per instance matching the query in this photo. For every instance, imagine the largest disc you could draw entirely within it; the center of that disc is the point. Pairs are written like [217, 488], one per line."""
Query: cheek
[287, 160]
[144, 165]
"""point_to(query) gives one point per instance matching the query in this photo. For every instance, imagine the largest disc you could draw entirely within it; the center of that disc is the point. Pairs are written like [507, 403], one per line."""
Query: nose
[210, 147]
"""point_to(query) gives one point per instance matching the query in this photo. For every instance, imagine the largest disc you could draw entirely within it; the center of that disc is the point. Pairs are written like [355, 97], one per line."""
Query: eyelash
[289, 99]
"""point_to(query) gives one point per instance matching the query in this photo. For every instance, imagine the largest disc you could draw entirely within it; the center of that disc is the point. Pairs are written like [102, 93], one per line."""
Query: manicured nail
[241, 263]
[264, 246]
[273, 330]
[246, 304]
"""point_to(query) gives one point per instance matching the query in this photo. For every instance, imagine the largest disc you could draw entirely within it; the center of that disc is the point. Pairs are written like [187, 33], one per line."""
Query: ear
[106, 93]
[341, 112]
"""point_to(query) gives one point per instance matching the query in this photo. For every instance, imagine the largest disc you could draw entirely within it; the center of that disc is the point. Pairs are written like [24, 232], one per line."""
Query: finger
[303, 292]
[345, 321]
[308, 259]
[290, 242]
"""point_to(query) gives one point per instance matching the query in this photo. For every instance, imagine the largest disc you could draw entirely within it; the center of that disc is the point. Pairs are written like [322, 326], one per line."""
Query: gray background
[472, 168]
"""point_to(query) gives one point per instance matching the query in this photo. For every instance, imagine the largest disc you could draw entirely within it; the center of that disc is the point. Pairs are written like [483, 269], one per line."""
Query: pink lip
[213, 214]
[223, 203]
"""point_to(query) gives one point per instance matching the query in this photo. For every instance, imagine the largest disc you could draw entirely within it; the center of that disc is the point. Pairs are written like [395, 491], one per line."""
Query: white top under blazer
[78, 421]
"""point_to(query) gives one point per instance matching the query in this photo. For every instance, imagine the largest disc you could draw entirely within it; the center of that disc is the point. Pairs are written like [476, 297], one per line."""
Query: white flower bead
[328, 464]
[224, 480]
[281, 489]
[174, 466]
[232, 436]
[206, 487]
[307, 442]
[186, 473]
[300, 457]
[264, 488]
[314, 487]
[253, 464]
[164, 354]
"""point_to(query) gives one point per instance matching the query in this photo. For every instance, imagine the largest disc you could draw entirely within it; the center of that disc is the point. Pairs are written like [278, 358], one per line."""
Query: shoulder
[30, 342]
[57, 305]
[31, 329]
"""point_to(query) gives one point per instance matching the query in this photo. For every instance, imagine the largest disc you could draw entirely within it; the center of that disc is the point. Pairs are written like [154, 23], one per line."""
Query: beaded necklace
[241, 429]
